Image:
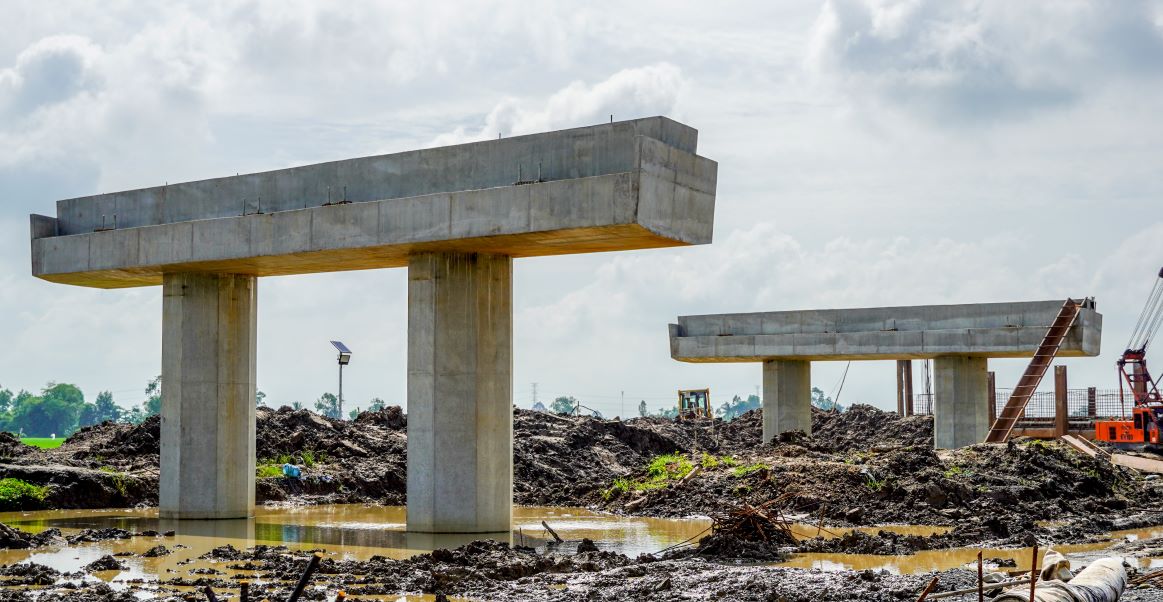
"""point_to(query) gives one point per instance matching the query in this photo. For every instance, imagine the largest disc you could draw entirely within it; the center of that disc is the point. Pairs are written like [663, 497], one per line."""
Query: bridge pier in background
[460, 385]
[960, 401]
[209, 343]
[787, 397]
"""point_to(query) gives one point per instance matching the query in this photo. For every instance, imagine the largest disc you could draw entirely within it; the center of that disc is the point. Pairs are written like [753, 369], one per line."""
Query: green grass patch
[669, 467]
[43, 442]
[957, 471]
[709, 461]
[265, 471]
[659, 473]
[306, 459]
[20, 495]
[119, 482]
[742, 471]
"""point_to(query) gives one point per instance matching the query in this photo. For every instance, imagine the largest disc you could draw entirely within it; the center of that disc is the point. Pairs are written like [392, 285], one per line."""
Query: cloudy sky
[870, 153]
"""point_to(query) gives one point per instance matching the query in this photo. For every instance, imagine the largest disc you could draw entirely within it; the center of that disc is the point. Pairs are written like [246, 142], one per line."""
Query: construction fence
[1083, 406]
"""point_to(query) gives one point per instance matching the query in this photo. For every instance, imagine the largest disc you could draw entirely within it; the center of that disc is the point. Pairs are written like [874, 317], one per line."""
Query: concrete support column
[209, 342]
[787, 397]
[961, 401]
[460, 382]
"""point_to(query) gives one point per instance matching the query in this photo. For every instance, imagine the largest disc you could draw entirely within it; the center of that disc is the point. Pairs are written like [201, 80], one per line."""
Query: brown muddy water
[939, 560]
[344, 531]
[360, 532]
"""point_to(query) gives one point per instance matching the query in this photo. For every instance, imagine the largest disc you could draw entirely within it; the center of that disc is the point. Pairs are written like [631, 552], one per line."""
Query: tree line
[729, 410]
[60, 409]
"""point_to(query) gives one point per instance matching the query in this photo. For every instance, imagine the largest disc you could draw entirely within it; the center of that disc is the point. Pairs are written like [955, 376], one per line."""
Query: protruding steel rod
[306, 578]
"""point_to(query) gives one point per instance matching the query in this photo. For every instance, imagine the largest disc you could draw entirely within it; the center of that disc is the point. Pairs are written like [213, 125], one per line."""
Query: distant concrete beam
[996, 330]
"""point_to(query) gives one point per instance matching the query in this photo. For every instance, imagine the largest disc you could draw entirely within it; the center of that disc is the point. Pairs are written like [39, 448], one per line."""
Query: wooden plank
[1138, 463]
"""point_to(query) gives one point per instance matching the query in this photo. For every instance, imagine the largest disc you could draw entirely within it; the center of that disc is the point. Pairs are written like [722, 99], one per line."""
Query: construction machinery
[694, 403]
[1146, 411]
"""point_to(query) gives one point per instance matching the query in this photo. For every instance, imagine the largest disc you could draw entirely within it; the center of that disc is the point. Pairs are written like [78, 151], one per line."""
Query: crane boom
[1146, 414]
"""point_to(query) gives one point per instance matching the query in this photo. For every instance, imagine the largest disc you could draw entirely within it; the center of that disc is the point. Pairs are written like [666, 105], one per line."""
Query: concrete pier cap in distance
[959, 337]
[455, 216]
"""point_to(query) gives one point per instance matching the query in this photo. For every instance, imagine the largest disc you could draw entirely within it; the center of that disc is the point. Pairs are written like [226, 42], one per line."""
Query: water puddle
[359, 532]
[344, 531]
[930, 560]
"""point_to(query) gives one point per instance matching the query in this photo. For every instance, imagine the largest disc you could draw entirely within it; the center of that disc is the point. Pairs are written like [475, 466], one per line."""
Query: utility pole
[622, 412]
[534, 393]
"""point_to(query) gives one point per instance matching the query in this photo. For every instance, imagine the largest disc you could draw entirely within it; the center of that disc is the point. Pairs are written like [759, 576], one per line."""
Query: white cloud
[627, 94]
[853, 168]
[971, 62]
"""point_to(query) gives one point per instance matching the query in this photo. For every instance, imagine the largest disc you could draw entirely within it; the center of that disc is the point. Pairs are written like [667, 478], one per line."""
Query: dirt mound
[862, 427]
[565, 459]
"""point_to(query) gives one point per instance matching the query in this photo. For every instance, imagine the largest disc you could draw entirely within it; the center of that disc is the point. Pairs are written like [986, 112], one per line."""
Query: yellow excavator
[694, 403]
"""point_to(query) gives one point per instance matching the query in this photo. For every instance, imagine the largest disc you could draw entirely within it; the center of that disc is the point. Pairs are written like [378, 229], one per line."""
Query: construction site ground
[825, 494]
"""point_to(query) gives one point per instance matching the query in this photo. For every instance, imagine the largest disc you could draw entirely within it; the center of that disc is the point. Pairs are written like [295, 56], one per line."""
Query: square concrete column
[460, 383]
[787, 397]
[209, 340]
[961, 401]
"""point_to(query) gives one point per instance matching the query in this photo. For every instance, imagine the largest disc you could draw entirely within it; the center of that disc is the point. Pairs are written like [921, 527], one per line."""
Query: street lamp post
[344, 359]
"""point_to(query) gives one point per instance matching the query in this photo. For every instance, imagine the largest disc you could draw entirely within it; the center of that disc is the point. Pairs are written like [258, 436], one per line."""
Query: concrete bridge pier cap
[959, 338]
[455, 216]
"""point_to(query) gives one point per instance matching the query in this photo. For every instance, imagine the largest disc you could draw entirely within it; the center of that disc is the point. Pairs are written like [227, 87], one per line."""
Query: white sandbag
[1102, 581]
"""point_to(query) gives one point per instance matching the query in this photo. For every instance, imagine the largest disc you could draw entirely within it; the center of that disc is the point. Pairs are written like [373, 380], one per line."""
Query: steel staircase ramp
[1028, 384]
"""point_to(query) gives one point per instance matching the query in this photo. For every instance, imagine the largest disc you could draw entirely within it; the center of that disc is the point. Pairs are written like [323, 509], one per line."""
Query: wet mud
[859, 468]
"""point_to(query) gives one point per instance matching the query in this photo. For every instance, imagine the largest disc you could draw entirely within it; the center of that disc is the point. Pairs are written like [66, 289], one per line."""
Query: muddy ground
[860, 467]
[486, 570]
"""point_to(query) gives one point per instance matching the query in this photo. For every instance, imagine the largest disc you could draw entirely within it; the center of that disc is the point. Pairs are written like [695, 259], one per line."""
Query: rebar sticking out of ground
[306, 578]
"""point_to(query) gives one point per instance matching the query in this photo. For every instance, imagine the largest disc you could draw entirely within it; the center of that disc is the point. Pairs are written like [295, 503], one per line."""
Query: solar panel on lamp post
[344, 359]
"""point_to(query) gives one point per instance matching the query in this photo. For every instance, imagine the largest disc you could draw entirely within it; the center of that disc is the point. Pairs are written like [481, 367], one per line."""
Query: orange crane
[1146, 420]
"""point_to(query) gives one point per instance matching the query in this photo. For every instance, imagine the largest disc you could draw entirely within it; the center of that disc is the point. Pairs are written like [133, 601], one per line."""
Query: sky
[870, 153]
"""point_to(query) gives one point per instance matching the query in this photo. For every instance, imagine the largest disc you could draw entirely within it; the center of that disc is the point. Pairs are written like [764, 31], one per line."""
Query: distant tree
[563, 405]
[55, 411]
[738, 406]
[671, 413]
[376, 404]
[642, 411]
[353, 414]
[100, 411]
[328, 405]
[824, 402]
[259, 396]
[296, 405]
[5, 400]
[153, 401]
[134, 415]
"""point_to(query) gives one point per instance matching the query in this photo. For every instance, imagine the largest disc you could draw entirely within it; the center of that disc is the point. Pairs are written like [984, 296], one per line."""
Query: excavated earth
[860, 467]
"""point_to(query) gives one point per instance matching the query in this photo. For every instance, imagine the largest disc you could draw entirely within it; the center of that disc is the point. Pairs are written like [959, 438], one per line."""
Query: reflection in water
[344, 531]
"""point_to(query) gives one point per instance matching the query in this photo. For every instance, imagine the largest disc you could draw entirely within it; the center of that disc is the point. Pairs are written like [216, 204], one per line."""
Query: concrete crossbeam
[209, 343]
[921, 332]
[959, 337]
[787, 397]
[611, 187]
[460, 383]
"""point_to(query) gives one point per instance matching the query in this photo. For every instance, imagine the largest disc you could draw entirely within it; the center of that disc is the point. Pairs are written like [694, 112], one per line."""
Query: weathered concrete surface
[914, 332]
[960, 401]
[456, 216]
[209, 343]
[460, 382]
[787, 397]
[959, 337]
[627, 185]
